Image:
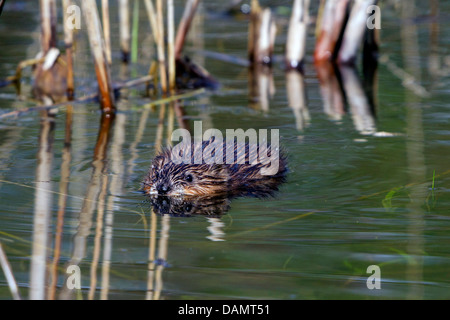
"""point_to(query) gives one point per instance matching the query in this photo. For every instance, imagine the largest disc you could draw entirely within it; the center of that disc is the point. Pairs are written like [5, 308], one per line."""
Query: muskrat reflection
[190, 206]
[212, 206]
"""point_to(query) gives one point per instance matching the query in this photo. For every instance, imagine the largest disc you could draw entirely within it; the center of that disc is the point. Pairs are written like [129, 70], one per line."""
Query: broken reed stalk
[253, 29]
[319, 19]
[262, 31]
[48, 25]
[98, 51]
[106, 29]
[266, 39]
[332, 22]
[183, 28]
[9, 274]
[354, 32]
[296, 38]
[68, 40]
[161, 51]
[170, 44]
[124, 20]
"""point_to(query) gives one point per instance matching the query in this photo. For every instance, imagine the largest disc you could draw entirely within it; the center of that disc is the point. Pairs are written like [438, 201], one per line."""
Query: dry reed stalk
[170, 123]
[152, 18]
[332, 23]
[262, 31]
[124, 17]
[68, 40]
[12, 284]
[354, 32]
[48, 25]
[253, 30]
[135, 33]
[106, 29]
[266, 39]
[98, 50]
[161, 51]
[319, 19]
[170, 44]
[183, 28]
[296, 38]
[160, 128]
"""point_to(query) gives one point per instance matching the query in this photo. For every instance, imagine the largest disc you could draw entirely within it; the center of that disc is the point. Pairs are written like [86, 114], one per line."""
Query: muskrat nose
[163, 189]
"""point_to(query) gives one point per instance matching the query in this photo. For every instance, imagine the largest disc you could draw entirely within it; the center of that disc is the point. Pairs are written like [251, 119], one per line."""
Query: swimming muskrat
[243, 177]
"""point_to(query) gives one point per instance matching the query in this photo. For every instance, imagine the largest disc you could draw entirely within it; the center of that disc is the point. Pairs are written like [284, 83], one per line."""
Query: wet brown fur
[239, 179]
[52, 83]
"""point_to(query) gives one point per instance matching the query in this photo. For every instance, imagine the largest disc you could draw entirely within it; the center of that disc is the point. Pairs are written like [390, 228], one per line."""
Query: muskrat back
[214, 169]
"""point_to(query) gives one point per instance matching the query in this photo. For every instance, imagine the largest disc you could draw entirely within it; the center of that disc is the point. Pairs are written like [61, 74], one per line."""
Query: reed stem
[152, 18]
[124, 17]
[296, 41]
[98, 51]
[161, 51]
[183, 28]
[106, 30]
[135, 33]
[48, 25]
[68, 40]
[354, 32]
[262, 31]
[170, 44]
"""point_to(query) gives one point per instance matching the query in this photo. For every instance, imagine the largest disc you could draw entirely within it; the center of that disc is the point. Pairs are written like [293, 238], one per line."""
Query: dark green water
[351, 200]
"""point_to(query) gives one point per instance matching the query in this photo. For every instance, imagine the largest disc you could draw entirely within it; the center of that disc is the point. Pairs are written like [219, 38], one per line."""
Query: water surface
[351, 199]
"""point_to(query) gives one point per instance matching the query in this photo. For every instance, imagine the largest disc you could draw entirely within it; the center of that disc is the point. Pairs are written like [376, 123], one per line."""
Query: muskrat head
[167, 178]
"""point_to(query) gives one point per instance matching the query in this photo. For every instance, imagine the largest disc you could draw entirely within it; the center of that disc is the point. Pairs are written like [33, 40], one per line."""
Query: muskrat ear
[158, 162]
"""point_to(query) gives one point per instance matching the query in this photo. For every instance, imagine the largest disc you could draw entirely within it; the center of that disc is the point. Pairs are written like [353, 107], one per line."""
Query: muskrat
[243, 177]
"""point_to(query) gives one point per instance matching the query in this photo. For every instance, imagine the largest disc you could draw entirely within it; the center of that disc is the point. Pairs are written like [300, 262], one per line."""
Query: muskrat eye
[189, 178]
[188, 208]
